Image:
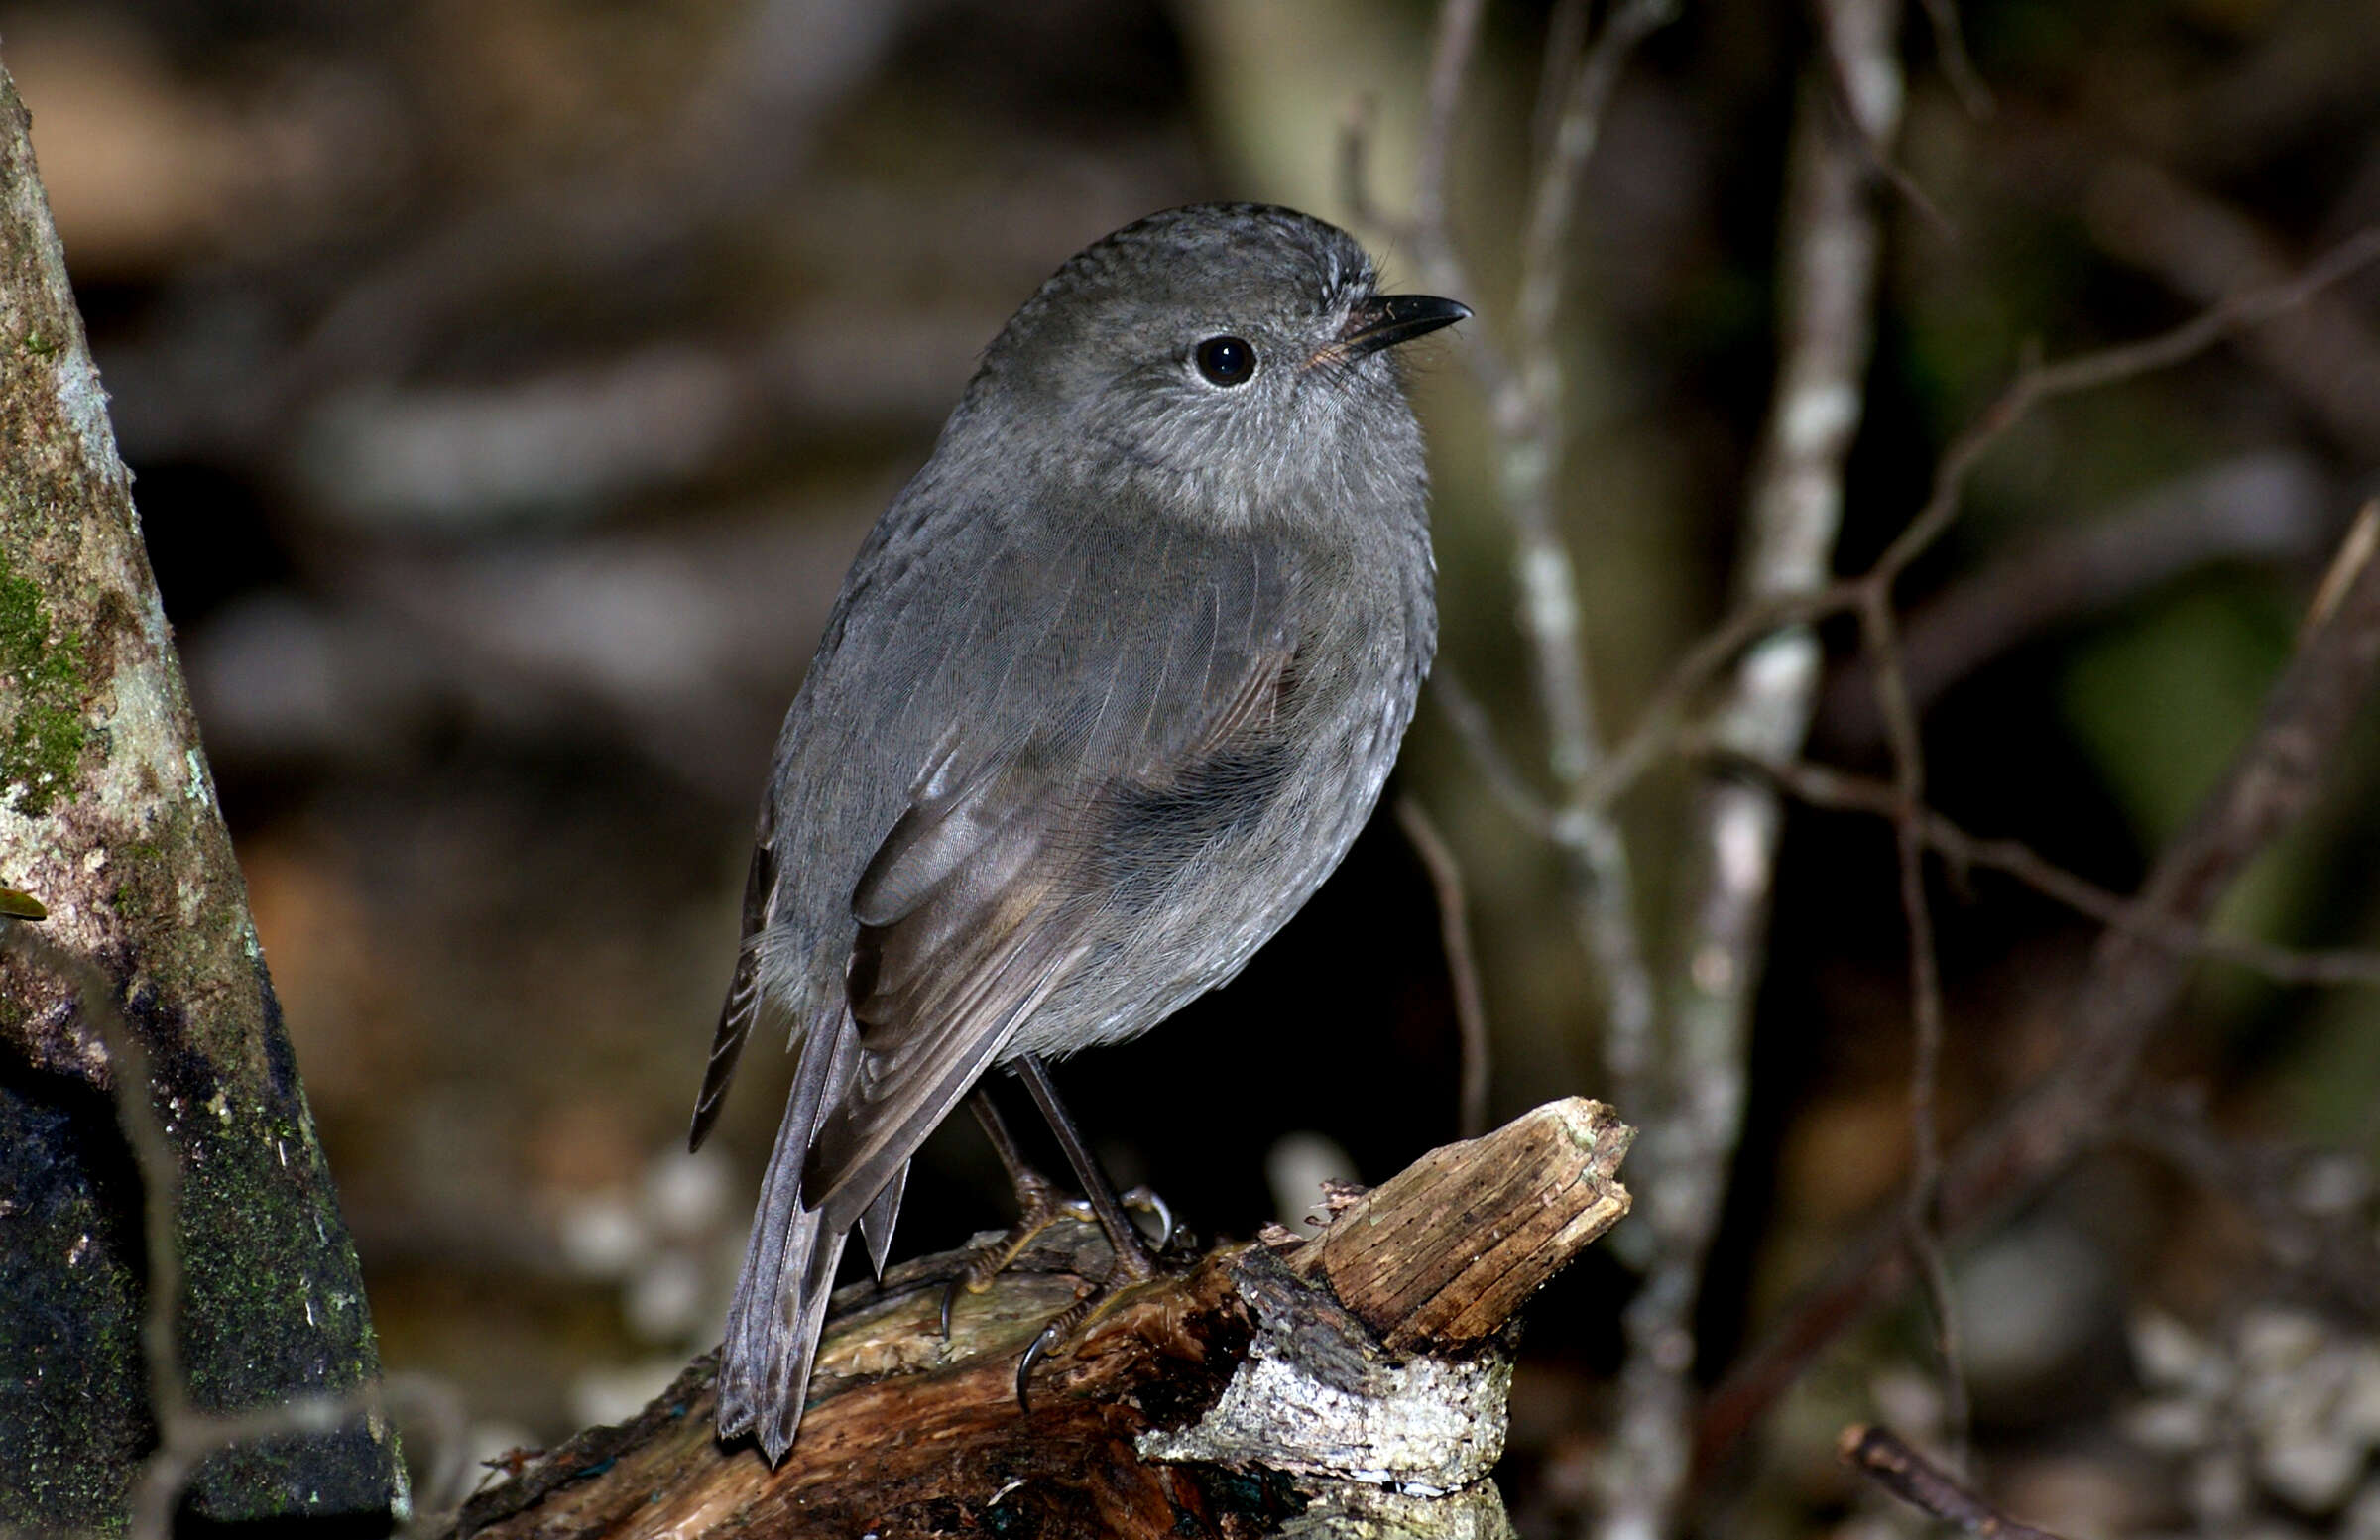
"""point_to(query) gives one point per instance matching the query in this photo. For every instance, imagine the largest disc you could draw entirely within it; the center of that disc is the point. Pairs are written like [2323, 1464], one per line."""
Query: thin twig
[1657, 722]
[1554, 198]
[1926, 1012]
[2355, 554]
[2330, 1249]
[2203, 248]
[2270, 507]
[1864, 70]
[132, 1086]
[1529, 412]
[1865, 86]
[1477, 733]
[1456, 35]
[2107, 366]
[1694, 1098]
[1833, 790]
[1461, 966]
[1886, 1460]
[1950, 51]
[1529, 417]
[193, 1437]
[2127, 995]
[1664, 712]
[1525, 407]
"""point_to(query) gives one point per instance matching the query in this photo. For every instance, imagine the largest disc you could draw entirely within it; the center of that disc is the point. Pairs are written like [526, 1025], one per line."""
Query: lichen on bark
[108, 820]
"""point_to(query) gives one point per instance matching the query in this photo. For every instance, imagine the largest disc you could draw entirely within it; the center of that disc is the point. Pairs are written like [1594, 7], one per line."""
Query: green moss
[40, 694]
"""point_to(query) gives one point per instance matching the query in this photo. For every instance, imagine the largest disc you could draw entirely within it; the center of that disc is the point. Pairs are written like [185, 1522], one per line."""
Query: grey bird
[1108, 692]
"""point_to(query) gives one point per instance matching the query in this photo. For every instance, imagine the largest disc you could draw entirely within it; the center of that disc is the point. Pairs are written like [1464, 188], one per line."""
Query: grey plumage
[1108, 691]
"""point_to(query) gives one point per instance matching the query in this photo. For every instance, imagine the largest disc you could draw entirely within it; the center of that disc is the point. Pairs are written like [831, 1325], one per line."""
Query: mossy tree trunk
[108, 818]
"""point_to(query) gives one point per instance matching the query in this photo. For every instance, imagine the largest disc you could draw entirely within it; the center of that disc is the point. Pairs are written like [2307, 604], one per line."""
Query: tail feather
[878, 1219]
[788, 1272]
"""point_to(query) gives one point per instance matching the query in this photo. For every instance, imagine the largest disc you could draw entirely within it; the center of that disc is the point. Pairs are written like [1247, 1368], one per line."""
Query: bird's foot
[1041, 1207]
[1132, 1266]
[1077, 1319]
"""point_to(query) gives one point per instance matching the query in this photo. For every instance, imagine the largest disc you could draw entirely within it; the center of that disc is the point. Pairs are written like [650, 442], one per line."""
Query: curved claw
[1150, 1202]
[950, 1300]
[1043, 1341]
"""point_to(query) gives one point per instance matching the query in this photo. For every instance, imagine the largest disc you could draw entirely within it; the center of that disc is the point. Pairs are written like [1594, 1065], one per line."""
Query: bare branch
[1477, 733]
[1528, 411]
[1950, 51]
[1886, 1460]
[1461, 966]
[2326, 355]
[1694, 1098]
[1825, 787]
[2127, 995]
[1866, 88]
[2269, 507]
[1577, 128]
[1525, 406]
[1925, 990]
[1657, 724]
[1457, 34]
[1864, 71]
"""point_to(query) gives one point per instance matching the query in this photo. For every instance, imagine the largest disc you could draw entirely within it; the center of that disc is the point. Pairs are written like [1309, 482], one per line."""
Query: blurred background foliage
[509, 384]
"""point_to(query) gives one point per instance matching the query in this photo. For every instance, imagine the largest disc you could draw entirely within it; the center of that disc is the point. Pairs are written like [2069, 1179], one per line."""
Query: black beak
[1384, 320]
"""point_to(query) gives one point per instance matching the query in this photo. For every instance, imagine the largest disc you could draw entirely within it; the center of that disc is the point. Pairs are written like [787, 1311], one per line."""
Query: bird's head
[1235, 357]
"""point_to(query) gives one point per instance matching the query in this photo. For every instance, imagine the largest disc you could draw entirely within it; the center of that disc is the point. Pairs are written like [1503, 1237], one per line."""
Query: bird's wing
[1006, 872]
[742, 1006]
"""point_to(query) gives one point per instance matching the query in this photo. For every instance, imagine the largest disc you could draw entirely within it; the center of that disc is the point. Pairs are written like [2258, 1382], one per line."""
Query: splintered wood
[1443, 1253]
[1165, 1416]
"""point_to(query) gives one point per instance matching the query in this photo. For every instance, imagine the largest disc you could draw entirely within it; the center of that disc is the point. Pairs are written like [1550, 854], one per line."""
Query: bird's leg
[1132, 1258]
[1037, 1203]
[1040, 1207]
[1133, 1261]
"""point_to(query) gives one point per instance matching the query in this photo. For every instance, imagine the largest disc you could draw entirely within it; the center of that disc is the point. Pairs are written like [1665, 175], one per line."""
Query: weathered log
[1352, 1384]
[108, 823]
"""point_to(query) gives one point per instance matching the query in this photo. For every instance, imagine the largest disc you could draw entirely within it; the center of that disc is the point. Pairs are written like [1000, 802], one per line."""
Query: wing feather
[742, 1007]
[1003, 875]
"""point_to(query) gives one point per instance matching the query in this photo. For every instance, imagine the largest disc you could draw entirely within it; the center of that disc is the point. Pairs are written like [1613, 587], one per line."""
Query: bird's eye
[1225, 360]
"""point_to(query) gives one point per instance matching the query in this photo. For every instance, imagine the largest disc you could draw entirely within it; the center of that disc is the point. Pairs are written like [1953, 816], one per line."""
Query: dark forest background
[509, 384]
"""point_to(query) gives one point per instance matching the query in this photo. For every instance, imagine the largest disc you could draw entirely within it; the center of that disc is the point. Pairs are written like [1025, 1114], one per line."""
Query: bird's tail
[788, 1268]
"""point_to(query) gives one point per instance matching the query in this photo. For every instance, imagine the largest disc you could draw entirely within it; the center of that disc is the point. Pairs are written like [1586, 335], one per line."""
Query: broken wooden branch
[1324, 1387]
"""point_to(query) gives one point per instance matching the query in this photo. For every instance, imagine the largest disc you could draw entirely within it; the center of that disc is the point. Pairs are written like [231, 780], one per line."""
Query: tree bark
[1348, 1385]
[108, 820]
